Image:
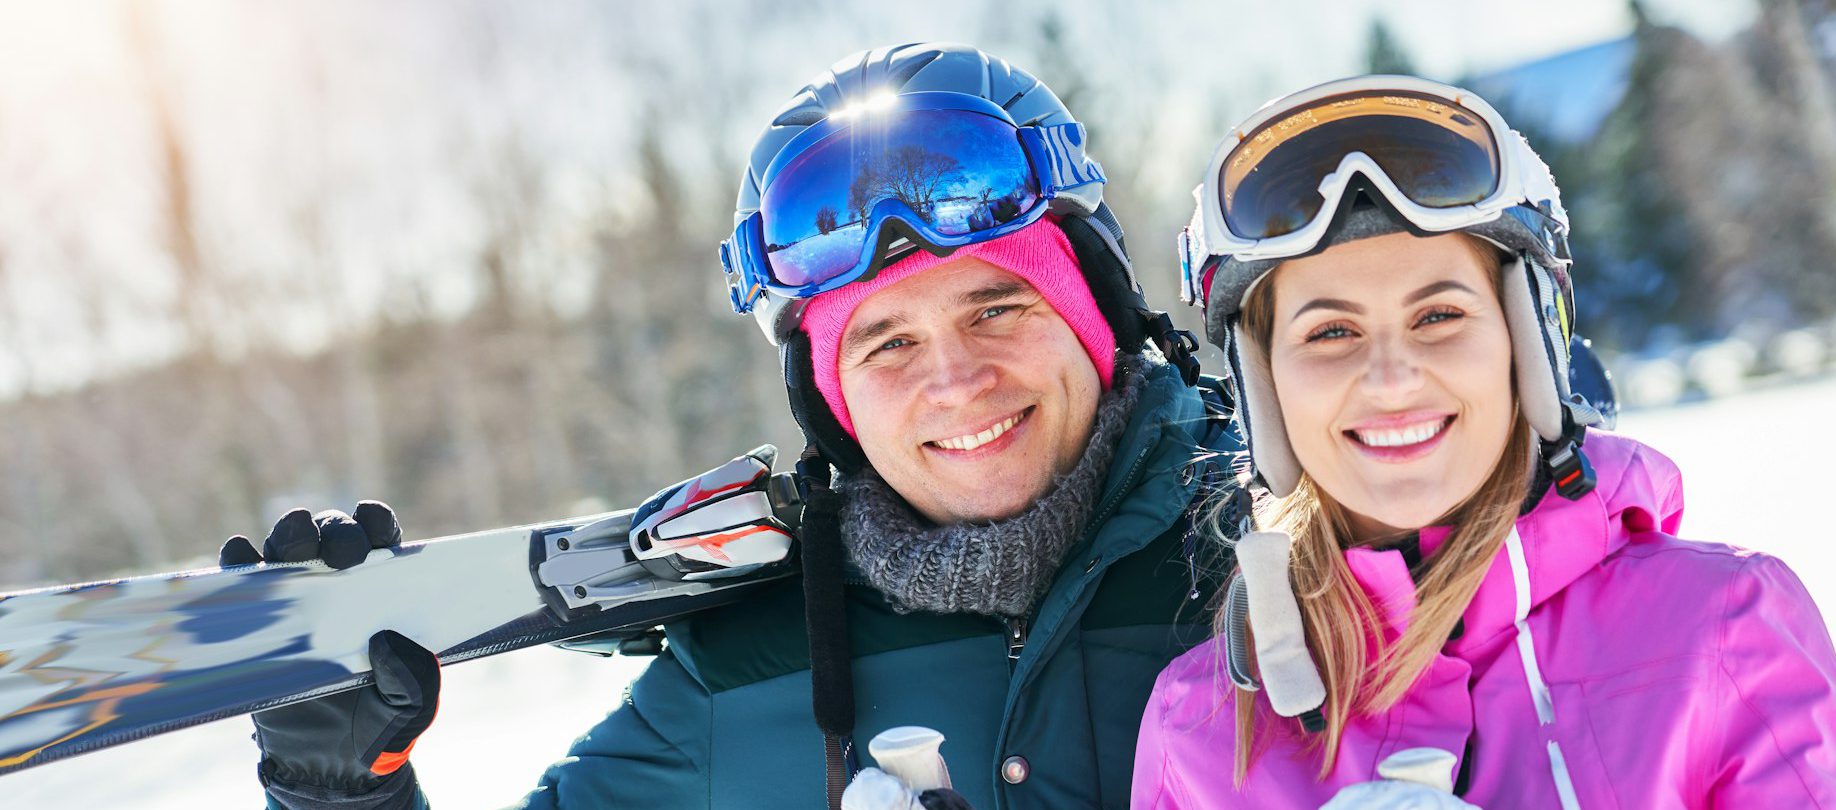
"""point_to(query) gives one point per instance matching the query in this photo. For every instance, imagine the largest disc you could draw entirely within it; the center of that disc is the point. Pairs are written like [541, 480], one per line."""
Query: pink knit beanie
[1039, 253]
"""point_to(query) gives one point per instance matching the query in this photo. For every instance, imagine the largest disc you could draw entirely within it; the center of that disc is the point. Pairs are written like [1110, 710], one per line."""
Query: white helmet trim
[1522, 176]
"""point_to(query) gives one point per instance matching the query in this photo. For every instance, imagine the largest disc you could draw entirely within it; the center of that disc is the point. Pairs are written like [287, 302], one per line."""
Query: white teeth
[1402, 436]
[975, 440]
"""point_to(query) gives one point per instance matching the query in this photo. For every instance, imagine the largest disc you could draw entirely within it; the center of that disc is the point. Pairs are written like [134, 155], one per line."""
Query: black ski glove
[339, 539]
[943, 799]
[348, 750]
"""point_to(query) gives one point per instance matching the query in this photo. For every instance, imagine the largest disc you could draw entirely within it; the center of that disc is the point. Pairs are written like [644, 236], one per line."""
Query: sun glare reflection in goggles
[951, 169]
[1438, 155]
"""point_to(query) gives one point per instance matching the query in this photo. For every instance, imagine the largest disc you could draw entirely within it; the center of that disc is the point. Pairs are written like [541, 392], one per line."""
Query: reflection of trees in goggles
[910, 174]
[936, 167]
[954, 172]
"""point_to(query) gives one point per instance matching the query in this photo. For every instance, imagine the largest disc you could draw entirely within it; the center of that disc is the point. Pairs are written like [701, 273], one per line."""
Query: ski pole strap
[839, 766]
[825, 615]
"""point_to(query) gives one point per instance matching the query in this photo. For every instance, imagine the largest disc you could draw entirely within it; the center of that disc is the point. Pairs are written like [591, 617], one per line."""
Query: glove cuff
[397, 791]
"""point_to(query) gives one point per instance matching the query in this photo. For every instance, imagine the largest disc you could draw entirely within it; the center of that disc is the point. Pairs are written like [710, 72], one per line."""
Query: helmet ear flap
[819, 424]
[1110, 283]
[1259, 413]
[1539, 349]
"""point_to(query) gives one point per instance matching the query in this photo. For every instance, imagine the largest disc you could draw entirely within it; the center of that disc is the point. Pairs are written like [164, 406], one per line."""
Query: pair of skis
[84, 667]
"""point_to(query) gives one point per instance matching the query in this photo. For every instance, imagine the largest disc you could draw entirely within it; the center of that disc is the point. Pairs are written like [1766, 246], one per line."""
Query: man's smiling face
[968, 392]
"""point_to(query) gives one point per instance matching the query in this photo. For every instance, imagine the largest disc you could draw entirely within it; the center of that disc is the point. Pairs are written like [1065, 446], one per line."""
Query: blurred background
[461, 256]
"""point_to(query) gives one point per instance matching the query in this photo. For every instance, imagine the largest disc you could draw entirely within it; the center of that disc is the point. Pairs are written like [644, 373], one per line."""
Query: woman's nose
[1394, 372]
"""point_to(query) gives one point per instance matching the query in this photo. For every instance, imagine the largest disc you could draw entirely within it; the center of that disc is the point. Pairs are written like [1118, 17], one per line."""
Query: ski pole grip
[1433, 767]
[911, 754]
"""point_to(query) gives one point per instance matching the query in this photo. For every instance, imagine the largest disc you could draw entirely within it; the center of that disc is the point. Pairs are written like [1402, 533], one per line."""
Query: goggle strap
[1058, 152]
[740, 259]
[1188, 281]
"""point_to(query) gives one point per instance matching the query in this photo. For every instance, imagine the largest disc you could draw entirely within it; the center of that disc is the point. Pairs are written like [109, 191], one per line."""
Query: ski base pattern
[84, 667]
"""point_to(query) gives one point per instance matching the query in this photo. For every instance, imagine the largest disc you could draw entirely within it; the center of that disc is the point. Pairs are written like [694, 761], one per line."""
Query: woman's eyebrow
[1339, 304]
[1436, 289]
[1343, 305]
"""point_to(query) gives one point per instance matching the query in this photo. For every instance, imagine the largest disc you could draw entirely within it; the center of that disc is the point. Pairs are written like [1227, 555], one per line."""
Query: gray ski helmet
[1095, 236]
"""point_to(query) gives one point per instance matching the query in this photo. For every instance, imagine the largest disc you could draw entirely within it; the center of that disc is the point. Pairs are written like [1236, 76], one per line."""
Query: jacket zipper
[1128, 483]
[1017, 628]
[1016, 640]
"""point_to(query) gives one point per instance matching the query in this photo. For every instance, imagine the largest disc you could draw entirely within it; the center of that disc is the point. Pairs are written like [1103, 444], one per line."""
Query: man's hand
[352, 742]
[915, 777]
[339, 539]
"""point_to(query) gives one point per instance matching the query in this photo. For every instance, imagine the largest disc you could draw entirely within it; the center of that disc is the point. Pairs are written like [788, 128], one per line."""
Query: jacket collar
[1639, 491]
[1153, 462]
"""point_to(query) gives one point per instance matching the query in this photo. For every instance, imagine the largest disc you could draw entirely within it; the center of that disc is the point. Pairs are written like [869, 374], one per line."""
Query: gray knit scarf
[994, 569]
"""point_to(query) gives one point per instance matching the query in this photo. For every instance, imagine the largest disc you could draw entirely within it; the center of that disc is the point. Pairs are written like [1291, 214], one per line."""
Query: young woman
[1450, 593]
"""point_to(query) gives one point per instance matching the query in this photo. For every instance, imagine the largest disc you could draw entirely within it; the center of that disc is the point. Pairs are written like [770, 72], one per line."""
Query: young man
[1005, 555]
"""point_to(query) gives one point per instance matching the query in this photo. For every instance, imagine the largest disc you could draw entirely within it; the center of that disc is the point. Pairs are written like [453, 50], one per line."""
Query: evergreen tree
[1383, 52]
[1639, 230]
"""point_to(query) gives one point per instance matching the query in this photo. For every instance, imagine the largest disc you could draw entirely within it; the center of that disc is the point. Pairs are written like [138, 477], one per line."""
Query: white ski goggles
[1441, 156]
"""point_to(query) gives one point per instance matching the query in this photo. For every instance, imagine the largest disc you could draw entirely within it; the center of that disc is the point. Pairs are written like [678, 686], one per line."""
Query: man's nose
[956, 373]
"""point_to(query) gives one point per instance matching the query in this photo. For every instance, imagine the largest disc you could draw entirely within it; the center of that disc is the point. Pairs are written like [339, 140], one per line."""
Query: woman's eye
[1331, 331]
[1440, 315]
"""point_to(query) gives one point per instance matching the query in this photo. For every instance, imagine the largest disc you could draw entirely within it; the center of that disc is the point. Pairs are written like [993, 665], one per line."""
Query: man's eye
[893, 344]
[996, 311]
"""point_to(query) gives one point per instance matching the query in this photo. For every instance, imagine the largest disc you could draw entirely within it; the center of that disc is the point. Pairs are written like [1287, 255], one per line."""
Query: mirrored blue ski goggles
[937, 169]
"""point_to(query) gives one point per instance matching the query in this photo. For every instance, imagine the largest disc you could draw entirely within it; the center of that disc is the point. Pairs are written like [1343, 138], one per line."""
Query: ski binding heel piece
[722, 526]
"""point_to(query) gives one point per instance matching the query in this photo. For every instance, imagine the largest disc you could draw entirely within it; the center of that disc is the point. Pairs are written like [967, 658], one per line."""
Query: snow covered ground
[1756, 466]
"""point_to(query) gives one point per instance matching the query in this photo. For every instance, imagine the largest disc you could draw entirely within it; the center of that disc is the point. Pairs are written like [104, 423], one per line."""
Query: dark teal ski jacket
[722, 718]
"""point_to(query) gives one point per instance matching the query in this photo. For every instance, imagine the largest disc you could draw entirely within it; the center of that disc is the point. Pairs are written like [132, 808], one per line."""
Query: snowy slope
[1756, 472]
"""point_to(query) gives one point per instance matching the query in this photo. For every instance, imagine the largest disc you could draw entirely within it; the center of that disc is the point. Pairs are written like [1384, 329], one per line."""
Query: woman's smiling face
[1392, 364]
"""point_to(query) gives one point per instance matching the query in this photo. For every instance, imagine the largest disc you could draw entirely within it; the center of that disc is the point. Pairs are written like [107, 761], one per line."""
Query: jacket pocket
[1634, 731]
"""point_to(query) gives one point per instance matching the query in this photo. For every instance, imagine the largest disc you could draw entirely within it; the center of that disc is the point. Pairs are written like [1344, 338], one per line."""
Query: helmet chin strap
[1569, 471]
[1179, 345]
[826, 618]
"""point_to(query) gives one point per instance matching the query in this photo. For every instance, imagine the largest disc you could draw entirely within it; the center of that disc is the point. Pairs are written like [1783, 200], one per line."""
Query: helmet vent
[902, 70]
[800, 115]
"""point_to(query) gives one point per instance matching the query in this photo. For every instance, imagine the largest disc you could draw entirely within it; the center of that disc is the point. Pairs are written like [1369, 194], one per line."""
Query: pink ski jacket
[1604, 664]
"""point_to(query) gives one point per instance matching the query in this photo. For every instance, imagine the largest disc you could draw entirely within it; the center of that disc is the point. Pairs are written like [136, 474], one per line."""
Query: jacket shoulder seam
[631, 701]
[1734, 683]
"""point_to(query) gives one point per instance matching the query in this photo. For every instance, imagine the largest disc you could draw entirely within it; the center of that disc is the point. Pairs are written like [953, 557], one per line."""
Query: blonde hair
[1340, 621]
